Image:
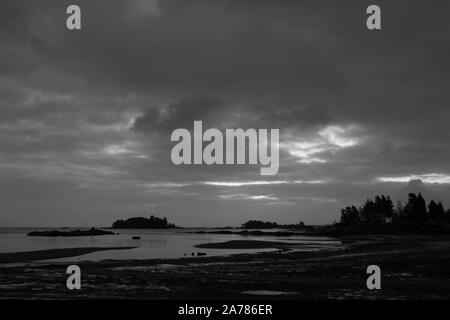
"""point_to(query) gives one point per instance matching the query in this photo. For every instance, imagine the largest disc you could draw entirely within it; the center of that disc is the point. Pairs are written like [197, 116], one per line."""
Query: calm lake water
[153, 244]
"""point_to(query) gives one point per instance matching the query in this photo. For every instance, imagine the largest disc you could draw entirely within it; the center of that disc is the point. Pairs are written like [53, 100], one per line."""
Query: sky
[86, 115]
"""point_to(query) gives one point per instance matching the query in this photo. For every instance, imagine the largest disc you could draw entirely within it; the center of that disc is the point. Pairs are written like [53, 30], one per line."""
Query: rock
[74, 233]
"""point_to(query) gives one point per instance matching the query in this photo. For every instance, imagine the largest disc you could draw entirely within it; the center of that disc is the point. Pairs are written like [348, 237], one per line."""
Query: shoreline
[413, 267]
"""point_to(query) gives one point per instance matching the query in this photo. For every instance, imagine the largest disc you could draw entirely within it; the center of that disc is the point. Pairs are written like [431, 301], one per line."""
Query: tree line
[257, 224]
[381, 210]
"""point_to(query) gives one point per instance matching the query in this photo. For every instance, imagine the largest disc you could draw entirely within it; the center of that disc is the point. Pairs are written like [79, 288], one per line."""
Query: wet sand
[19, 257]
[412, 267]
[248, 244]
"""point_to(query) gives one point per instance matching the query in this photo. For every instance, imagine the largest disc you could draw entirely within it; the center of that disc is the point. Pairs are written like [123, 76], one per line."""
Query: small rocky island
[72, 233]
[143, 223]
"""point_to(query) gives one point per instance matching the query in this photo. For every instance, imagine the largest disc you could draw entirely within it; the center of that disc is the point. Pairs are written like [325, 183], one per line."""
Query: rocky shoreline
[412, 267]
[71, 233]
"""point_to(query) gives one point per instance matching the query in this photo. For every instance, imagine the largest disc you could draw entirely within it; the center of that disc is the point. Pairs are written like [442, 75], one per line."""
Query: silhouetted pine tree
[349, 215]
[416, 209]
[378, 210]
[436, 212]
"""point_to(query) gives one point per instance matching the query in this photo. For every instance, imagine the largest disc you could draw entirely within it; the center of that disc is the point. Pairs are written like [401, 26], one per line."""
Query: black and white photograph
[222, 150]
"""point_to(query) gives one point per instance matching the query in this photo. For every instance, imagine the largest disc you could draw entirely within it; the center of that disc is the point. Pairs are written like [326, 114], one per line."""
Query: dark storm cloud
[352, 105]
[180, 114]
[315, 115]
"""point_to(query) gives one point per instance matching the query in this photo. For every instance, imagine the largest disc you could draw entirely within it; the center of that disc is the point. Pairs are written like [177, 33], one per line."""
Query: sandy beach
[413, 267]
